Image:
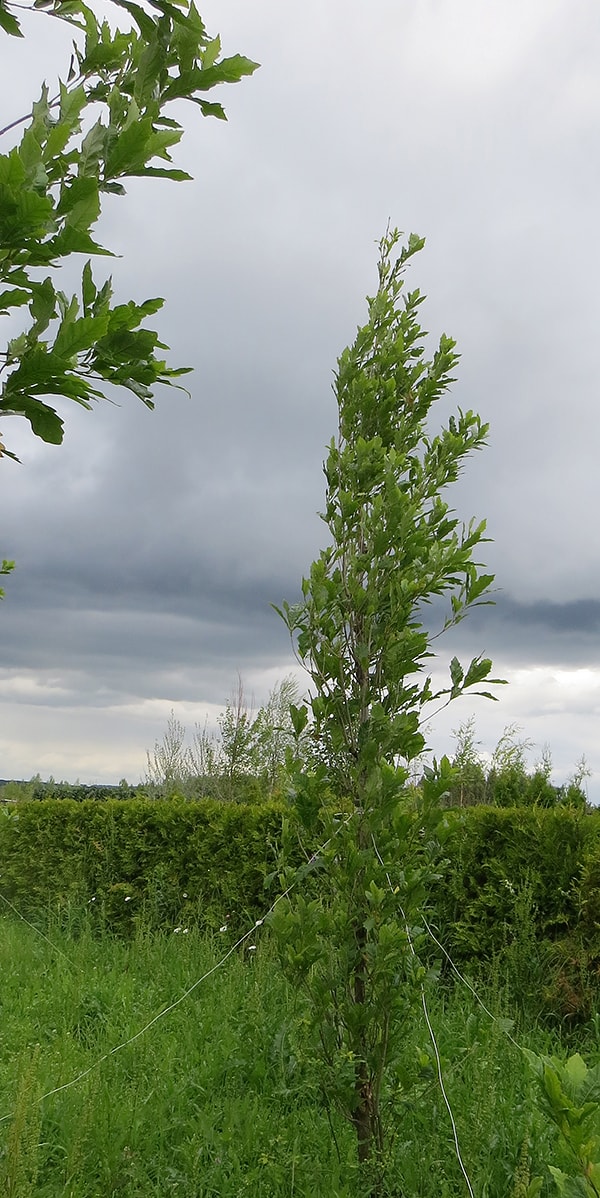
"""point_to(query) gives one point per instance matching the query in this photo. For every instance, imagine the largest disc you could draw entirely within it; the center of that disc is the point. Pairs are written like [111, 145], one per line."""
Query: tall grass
[221, 1097]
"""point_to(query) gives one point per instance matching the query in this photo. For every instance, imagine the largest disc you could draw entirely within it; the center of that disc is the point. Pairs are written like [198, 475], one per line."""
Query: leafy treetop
[106, 123]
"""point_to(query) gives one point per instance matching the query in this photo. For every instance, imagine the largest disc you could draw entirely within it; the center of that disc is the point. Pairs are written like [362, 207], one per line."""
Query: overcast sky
[150, 545]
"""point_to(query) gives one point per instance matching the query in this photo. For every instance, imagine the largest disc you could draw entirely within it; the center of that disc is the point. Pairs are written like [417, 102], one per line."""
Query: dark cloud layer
[530, 634]
[149, 546]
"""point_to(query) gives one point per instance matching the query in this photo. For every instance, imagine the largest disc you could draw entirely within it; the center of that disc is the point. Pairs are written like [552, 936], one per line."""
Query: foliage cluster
[109, 121]
[505, 779]
[569, 1093]
[246, 760]
[36, 789]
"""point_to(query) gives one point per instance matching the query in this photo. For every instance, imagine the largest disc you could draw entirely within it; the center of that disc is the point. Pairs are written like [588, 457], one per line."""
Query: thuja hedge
[521, 889]
[164, 863]
[493, 856]
[135, 862]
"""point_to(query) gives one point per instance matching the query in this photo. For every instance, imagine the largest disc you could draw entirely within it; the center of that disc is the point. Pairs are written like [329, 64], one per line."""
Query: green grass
[221, 1096]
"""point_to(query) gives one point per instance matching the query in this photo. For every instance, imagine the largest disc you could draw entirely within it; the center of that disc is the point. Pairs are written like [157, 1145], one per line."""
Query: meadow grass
[221, 1097]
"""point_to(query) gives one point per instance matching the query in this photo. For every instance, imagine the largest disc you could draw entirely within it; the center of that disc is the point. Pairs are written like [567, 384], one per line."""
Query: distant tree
[506, 780]
[574, 792]
[274, 738]
[168, 766]
[467, 763]
[507, 773]
[246, 758]
[236, 737]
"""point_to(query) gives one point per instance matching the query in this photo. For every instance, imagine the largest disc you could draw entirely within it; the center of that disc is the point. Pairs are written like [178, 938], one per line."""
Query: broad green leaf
[209, 109]
[299, 718]
[72, 103]
[88, 288]
[130, 149]
[570, 1187]
[576, 1071]
[157, 172]
[116, 189]
[43, 304]
[92, 149]
[478, 586]
[16, 347]
[30, 153]
[211, 53]
[143, 21]
[13, 299]
[79, 203]
[75, 336]
[25, 218]
[74, 241]
[12, 171]
[150, 72]
[229, 70]
[477, 671]
[45, 422]
[8, 22]
[150, 306]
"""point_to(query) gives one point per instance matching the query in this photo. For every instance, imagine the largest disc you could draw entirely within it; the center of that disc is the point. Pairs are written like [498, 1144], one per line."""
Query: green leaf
[43, 304]
[75, 336]
[92, 149]
[576, 1071]
[145, 23]
[229, 70]
[150, 306]
[478, 586]
[13, 299]
[477, 671]
[210, 109]
[45, 422]
[8, 22]
[88, 288]
[299, 718]
[162, 173]
[211, 53]
[130, 150]
[116, 189]
[79, 203]
[570, 1187]
[75, 241]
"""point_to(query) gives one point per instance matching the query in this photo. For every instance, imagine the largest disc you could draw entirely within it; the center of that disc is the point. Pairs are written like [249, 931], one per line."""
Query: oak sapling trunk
[394, 545]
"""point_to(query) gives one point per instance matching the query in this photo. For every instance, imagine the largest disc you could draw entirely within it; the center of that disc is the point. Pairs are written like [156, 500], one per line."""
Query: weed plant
[221, 1097]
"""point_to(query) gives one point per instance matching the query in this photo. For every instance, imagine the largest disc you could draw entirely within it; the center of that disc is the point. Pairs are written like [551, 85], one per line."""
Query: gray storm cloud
[149, 546]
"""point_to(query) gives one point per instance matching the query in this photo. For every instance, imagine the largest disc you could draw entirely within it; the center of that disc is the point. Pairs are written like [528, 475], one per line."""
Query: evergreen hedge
[158, 863]
[495, 854]
[166, 863]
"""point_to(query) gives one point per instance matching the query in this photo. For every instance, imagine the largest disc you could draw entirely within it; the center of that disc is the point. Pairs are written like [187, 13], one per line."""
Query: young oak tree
[108, 120]
[394, 546]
